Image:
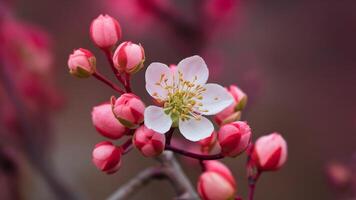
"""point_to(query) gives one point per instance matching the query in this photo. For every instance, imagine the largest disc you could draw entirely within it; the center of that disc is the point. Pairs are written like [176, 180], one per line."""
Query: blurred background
[294, 59]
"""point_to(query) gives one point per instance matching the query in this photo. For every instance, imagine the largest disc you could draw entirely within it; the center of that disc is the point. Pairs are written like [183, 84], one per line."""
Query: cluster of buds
[182, 98]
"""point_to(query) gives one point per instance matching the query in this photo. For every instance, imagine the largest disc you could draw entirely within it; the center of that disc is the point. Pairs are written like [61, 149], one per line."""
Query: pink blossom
[234, 138]
[105, 31]
[217, 182]
[269, 152]
[107, 157]
[128, 109]
[81, 63]
[105, 122]
[129, 57]
[149, 142]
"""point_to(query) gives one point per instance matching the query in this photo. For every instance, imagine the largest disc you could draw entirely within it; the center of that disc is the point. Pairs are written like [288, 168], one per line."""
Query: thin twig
[136, 183]
[109, 57]
[179, 180]
[194, 155]
[101, 78]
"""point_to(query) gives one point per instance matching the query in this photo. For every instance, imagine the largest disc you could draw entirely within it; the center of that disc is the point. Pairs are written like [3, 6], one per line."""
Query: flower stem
[108, 55]
[194, 155]
[103, 79]
[128, 82]
[169, 136]
[252, 180]
[127, 146]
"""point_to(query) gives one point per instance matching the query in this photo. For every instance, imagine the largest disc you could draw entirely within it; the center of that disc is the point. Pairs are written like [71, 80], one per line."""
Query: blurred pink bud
[217, 182]
[340, 175]
[105, 122]
[107, 157]
[129, 57]
[105, 31]
[208, 143]
[234, 138]
[239, 96]
[81, 63]
[149, 142]
[269, 152]
[232, 113]
[128, 109]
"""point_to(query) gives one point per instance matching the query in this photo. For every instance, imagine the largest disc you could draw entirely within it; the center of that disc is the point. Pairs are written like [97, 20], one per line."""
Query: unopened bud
[234, 138]
[105, 122]
[149, 142]
[81, 63]
[128, 109]
[269, 152]
[105, 31]
[129, 57]
[107, 157]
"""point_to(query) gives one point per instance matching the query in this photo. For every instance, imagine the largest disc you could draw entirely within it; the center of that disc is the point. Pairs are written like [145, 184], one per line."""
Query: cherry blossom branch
[194, 155]
[137, 183]
[177, 177]
[128, 82]
[252, 185]
[101, 78]
[109, 55]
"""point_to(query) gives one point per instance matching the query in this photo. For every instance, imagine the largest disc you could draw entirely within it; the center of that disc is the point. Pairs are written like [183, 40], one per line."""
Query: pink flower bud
[129, 57]
[107, 157]
[232, 113]
[105, 31]
[217, 182]
[269, 152]
[81, 63]
[234, 138]
[208, 143]
[239, 96]
[128, 109]
[105, 122]
[149, 142]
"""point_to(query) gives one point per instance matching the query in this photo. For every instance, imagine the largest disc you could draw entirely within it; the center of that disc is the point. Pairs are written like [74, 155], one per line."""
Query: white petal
[194, 67]
[157, 120]
[215, 99]
[153, 75]
[195, 130]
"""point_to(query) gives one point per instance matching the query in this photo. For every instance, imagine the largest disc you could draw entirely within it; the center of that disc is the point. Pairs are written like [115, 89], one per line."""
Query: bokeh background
[295, 59]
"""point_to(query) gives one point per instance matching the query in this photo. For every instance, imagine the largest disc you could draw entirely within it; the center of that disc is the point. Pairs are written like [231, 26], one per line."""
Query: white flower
[185, 96]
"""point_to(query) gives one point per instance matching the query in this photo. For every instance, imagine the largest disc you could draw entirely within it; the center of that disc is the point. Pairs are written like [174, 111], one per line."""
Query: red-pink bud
[128, 109]
[269, 152]
[217, 182]
[107, 157]
[234, 138]
[81, 63]
[129, 57]
[105, 31]
[208, 143]
[149, 142]
[105, 122]
[232, 113]
[239, 96]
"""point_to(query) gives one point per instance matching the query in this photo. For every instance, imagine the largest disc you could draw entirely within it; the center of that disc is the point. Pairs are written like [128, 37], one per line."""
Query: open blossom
[105, 122]
[186, 97]
[269, 152]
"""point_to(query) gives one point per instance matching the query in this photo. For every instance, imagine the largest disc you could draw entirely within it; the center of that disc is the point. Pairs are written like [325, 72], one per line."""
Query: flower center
[183, 99]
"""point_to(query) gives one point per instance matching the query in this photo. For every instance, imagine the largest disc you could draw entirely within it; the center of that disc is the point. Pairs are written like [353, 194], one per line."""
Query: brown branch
[136, 183]
[179, 180]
